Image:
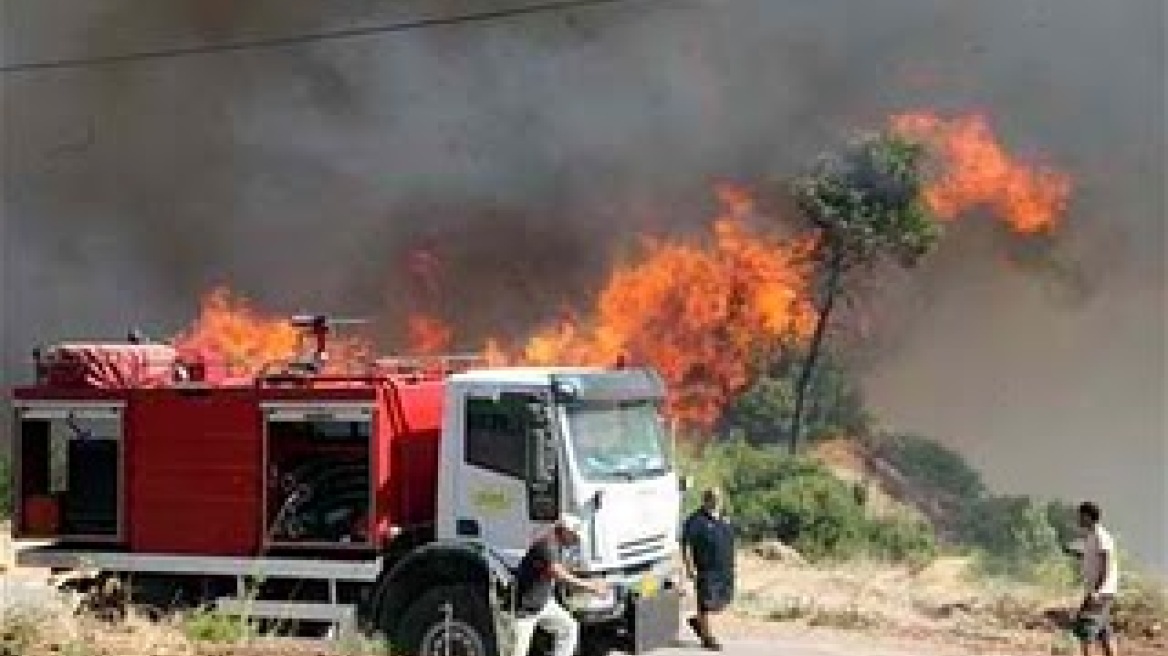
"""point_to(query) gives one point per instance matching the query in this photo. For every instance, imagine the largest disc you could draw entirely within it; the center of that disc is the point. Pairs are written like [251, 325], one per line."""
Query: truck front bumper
[642, 623]
[654, 621]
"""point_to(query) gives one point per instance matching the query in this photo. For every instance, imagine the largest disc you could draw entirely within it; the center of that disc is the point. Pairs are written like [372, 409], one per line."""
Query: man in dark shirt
[541, 568]
[707, 543]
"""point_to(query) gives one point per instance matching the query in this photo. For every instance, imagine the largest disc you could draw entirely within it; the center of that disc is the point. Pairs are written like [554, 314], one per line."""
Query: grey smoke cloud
[527, 153]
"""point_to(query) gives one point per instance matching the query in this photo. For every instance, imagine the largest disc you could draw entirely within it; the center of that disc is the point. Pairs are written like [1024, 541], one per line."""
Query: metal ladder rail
[341, 618]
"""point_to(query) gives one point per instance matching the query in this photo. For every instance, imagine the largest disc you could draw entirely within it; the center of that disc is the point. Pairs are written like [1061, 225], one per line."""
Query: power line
[285, 41]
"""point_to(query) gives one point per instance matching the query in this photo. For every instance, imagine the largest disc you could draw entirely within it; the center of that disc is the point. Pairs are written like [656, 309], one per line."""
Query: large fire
[700, 312]
[976, 171]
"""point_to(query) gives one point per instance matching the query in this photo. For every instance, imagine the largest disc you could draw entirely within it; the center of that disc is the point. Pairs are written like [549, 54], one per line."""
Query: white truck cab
[523, 446]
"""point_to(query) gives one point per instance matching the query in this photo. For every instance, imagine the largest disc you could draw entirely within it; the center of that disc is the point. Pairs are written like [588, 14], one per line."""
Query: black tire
[600, 640]
[542, 644]
[422, 630]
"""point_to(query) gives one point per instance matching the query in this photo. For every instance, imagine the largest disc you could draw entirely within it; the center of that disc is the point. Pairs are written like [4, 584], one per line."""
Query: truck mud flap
[655, 621]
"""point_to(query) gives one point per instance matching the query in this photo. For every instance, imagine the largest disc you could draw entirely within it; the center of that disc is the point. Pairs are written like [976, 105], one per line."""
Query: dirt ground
[939, 609]
[855, 609]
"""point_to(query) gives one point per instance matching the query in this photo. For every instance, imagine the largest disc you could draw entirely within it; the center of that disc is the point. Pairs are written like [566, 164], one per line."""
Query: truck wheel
[450, 620]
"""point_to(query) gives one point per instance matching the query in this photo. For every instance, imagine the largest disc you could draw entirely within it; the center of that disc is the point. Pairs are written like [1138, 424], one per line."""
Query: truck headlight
[587, 601]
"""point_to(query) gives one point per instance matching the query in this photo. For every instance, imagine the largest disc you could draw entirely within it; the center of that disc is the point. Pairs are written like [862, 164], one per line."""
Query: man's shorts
[1094, 621]
[715, 591]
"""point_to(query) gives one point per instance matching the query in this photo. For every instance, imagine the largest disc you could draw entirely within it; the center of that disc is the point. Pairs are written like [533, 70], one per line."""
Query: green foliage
[902, 539]
[1014, 536]
[797, 500]
[762, 413]
[1064, 518]
[813, 512]
[211, 625]
[1016, 539]
[867, 201]
[866, 205]
[931, 466]
[358, 644]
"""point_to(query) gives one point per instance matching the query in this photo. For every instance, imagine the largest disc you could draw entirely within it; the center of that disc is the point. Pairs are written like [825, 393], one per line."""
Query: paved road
[787, 646]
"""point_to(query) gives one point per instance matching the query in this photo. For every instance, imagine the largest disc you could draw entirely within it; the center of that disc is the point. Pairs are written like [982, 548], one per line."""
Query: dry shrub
[20, 631]
[1141, 610]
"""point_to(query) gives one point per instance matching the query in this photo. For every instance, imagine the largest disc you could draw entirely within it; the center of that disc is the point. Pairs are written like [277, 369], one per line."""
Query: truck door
[510, 486]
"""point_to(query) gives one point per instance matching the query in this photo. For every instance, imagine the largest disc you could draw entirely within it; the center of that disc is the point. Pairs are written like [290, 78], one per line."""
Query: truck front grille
[644, 547]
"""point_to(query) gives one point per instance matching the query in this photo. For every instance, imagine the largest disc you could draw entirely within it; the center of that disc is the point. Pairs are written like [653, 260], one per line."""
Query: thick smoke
[521, 156]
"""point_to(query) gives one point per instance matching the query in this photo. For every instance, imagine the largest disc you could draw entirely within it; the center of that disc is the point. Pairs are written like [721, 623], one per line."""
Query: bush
[816, 513]
[211, 625]
[1015, 538]
[1141, 606]
[931, 466]
[902, 539]
[1064, 518]
[20, 630]
[770, 495]
[762, 413]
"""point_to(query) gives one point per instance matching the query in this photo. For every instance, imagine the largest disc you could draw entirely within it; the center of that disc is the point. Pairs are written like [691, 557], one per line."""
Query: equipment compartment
[70, 472]
[319, 490]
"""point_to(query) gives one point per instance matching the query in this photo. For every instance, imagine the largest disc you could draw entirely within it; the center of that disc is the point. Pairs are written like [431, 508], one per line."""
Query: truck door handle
[467, 528]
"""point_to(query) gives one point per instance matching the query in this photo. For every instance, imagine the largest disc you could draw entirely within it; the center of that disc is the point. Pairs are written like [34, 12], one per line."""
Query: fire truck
[394, 498]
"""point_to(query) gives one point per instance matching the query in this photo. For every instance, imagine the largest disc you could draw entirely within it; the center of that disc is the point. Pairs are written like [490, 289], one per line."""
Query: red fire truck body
[196, 450]
[183, 462]
[157, 468]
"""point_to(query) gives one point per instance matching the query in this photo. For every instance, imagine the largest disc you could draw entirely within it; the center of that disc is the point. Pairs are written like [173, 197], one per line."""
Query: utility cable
[294, 40]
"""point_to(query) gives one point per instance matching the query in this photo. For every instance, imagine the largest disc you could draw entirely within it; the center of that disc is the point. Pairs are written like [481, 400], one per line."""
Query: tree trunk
[834, 273]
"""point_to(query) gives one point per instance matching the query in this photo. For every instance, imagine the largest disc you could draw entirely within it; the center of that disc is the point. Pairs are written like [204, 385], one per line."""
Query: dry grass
[944, 602]
[941, 606]
[883, 605]
[63, 634]
[56, 630]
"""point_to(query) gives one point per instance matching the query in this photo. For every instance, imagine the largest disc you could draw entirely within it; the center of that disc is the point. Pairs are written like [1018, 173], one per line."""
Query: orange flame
[699, 313]
[228, 331]
[975, 170]
[429, 335]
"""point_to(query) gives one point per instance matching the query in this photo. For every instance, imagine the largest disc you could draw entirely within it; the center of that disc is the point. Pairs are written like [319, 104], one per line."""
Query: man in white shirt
[1100, 572]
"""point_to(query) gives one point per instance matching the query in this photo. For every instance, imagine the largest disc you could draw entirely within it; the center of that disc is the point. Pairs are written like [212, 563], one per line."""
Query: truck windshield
[617, 440]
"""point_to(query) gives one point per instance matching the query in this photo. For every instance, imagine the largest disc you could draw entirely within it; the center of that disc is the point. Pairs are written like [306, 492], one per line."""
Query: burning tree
[698, 310]
[865, 205]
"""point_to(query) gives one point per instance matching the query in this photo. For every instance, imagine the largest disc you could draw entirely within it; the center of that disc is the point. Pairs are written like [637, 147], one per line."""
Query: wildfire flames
[429, 335]
[229, 330]
[700, 310]
[975, 171]
[230, 333]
